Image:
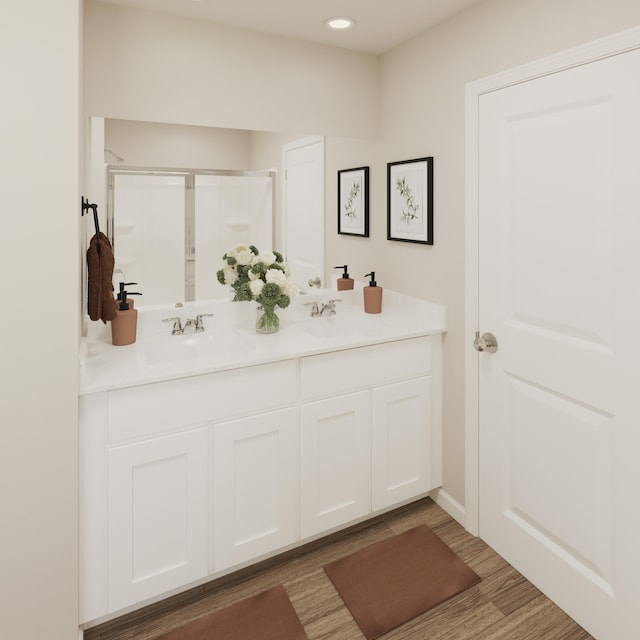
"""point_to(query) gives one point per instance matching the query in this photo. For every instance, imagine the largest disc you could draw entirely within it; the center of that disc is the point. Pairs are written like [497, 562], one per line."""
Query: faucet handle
[177, 325]
[314, 308]
[331, 305]
[199, 323]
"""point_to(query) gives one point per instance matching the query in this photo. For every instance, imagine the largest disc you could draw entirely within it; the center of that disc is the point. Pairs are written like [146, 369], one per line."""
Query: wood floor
[503, 606]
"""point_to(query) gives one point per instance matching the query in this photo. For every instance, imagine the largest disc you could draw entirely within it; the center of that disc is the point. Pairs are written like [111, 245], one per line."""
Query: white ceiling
[380, 24]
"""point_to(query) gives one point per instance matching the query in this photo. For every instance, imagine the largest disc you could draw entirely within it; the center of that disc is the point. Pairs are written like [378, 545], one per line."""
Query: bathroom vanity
[214, 451]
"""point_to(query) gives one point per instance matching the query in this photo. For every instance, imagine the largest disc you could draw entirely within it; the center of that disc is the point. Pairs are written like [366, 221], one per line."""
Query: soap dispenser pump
[124, 325]
[345, 282]
[124, 297]
[372, 295]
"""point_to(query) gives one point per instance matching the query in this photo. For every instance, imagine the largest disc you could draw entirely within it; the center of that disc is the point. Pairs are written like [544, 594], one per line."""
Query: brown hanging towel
[100, 263]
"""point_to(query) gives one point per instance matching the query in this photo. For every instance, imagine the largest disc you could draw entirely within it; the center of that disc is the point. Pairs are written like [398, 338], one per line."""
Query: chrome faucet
[177, 329]
[314, 308]
[199, 323]
[190, 326]
[327, 308]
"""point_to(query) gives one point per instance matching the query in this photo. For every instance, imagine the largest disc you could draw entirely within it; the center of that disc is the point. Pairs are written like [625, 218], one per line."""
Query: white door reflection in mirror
[303, 208]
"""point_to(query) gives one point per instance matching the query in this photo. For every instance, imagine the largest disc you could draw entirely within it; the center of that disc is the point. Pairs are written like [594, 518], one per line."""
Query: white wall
[408, 103]
[39, 260]
[151, 144]
[422, 107]
[144, 65]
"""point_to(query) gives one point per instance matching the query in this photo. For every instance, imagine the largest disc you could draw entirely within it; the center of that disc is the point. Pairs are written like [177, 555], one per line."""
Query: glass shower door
[170, 228]
[229, 210]
[149, 234]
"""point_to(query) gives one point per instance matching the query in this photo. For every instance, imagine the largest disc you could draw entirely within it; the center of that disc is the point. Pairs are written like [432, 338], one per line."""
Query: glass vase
[267, 320]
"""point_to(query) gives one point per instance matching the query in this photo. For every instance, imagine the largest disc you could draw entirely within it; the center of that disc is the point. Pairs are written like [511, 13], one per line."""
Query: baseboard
[449, 504]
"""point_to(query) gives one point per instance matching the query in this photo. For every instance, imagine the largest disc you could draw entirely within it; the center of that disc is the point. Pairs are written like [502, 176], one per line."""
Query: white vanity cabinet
[149, 523]
[367, 442]
[187, 479]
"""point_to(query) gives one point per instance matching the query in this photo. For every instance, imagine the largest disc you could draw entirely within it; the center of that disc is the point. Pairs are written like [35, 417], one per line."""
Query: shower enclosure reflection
[169, 228]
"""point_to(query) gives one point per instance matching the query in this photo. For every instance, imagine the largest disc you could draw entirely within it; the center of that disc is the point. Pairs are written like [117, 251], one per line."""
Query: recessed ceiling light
[340, 23]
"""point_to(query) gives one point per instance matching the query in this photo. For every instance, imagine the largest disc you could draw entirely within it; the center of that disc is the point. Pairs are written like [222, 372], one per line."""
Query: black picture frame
[410, 200]
[353, 202]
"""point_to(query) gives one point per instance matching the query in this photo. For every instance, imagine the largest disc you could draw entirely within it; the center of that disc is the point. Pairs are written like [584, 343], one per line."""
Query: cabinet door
[401, 435]
[157, 516]
[255, 486]
[335, 462]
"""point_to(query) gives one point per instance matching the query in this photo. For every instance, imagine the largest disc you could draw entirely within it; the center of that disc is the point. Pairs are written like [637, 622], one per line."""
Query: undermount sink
[325, 327]
[171, 348]
[342, 325]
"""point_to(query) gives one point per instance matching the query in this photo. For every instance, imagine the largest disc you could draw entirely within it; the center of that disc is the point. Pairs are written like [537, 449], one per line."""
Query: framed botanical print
[410, 200]
[353, 202]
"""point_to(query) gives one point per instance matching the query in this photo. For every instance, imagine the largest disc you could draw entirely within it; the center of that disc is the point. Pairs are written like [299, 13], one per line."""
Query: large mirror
[170, 223]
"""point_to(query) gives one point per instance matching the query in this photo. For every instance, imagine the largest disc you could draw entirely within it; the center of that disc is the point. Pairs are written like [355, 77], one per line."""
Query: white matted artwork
[353, 202]
[410, 200]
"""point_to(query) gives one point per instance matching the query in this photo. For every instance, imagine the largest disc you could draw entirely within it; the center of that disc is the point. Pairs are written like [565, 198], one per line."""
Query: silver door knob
[487, 342]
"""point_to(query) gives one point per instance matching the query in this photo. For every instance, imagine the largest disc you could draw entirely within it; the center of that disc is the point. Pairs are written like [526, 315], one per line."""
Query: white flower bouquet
[263, 276]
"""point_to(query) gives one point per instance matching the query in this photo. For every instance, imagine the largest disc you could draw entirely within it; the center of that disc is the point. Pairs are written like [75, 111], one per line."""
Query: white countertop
[230, 340]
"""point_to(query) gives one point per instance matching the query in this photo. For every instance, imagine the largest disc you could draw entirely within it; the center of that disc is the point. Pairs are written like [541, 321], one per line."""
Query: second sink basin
[343, 325]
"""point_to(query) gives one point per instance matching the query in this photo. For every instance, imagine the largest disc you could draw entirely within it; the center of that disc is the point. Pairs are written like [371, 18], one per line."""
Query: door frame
[618, 43]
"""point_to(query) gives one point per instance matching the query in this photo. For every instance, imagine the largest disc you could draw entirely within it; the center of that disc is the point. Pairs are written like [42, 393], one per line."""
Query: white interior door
[559, 267]
[303, 207]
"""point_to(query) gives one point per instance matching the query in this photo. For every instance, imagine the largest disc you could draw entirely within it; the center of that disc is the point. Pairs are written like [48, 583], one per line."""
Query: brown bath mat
[392, 581]
[266, 616]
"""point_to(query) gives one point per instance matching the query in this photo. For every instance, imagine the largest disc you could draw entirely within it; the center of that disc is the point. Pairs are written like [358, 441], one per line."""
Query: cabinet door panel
[401, 436]
[157, 516]
[255, 477]
[335, 462]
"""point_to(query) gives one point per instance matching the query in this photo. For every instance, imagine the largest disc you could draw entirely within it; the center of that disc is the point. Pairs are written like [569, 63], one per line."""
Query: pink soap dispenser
[345, 282]
[124, 325]
[372, 295]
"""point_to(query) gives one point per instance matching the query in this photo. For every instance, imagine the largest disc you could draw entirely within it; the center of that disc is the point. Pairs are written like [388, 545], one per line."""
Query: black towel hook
[85, 207]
